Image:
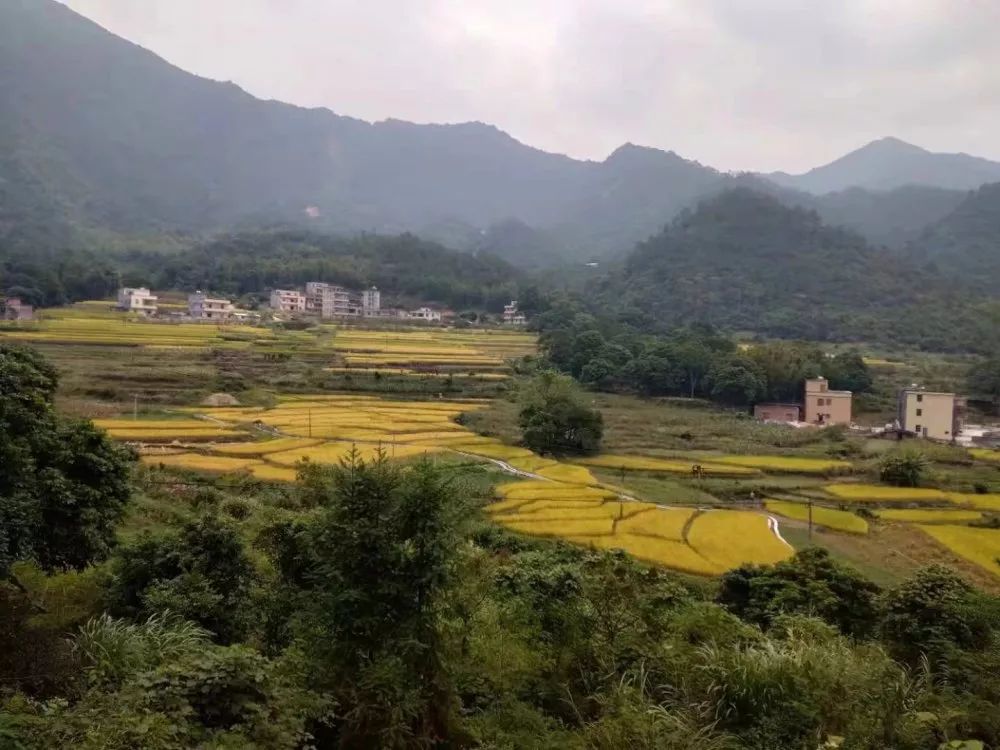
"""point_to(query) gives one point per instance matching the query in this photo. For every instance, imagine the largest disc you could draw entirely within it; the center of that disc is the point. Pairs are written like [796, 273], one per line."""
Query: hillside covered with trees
[745, 261]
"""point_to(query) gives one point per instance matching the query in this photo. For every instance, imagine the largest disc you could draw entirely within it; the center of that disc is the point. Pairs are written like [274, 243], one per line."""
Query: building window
[920, 398]
[920, 412]
[917, 429]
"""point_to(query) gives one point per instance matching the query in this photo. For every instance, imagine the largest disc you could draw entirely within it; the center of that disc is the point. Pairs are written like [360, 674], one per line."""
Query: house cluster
[919, 412]
[332, 301]
[200, 306]
[13, 308]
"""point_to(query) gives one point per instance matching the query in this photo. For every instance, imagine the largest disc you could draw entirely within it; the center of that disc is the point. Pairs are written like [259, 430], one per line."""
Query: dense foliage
[63, 484]
[691, 361]
[745, 261]
[250, 263]
[556, 418]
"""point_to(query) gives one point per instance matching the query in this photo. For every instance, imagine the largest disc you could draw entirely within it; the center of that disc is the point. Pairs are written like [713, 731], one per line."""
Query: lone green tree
[63, 484]
[905, 469]
[556, 418]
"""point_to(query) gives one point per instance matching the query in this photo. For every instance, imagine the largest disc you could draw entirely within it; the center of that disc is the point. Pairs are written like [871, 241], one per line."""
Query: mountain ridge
[101, 133]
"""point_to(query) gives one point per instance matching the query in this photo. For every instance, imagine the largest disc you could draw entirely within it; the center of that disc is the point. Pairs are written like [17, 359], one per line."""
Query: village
[317, 299]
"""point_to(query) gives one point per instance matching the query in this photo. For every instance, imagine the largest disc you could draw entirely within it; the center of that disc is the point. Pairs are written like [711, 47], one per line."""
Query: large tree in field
[555, 417]
[63, 484]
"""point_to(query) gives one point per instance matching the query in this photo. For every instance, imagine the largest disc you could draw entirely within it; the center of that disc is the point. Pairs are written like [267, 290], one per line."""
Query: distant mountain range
[98, 133]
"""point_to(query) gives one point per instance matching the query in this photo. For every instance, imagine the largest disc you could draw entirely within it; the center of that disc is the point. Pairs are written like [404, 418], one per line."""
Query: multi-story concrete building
[13, 309]
[203, 307]
[930, 414]
[825, 407]
[328, 300]
[512, 316]
[371, 302]
[288, 300]
[425, 313]
[137, 299]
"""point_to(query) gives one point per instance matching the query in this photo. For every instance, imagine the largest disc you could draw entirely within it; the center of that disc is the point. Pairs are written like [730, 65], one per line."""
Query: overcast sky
[737, 84]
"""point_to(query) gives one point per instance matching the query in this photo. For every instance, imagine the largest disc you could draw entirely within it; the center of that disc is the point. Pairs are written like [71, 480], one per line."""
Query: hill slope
[890, 163]
[966, 243]
[744, 260]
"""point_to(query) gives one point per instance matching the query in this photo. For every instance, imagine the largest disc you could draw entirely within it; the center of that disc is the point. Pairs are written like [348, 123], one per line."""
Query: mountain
[744, 260]
[965, 244]
[98, 132]
[890, 163]
[102, 139]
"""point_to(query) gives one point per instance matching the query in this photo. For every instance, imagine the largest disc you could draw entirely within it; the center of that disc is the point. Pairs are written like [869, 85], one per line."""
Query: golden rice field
[789, 464]
[729, 538]
[989, 502]
[929, 515]
[985, 454]
[980, 546]
[673, 537]
[407, 348]
[666, 465]
[838, 520]
[874, 493]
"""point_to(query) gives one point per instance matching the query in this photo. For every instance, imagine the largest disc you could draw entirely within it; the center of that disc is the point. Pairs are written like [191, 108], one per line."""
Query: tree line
[693, 361]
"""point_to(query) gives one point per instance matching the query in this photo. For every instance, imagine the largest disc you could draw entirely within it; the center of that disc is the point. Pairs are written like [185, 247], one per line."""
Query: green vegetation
[692, 361]
[903, 469]
[555, 418]
[64, 484]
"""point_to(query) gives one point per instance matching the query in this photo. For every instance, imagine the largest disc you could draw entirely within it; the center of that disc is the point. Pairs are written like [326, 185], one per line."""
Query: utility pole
[310, 412]
[135, 407]
[810, 521]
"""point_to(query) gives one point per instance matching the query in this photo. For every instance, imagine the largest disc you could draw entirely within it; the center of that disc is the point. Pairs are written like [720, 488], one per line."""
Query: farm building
[825, 407]
[288, 300]
[930, 414]
[425, 313]
[13, 309]
[137, 299]
[203, 307]
[512, 316]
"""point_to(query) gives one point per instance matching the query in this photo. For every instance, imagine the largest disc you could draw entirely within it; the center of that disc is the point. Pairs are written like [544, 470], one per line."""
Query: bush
[555, 418]
[905, 469]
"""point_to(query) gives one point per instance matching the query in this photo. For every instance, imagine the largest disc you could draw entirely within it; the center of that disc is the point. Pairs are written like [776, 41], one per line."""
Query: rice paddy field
[332, 389]
[409, 350]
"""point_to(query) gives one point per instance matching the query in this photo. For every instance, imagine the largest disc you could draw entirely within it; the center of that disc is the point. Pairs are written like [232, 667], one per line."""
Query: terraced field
[410, 350]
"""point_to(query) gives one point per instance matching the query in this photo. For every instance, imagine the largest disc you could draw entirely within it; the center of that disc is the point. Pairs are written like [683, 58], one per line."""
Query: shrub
[555, 418]
[905, 469]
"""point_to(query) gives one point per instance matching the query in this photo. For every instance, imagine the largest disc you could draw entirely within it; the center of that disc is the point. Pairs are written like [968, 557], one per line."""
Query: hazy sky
[737, 84]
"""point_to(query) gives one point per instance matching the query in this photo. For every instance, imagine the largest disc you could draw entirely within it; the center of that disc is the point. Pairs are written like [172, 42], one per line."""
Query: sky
[755, 85]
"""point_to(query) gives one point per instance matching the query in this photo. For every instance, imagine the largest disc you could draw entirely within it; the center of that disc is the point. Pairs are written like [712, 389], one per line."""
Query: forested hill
[98, 133]
[745, 261]
[966, 242]
[403, 265]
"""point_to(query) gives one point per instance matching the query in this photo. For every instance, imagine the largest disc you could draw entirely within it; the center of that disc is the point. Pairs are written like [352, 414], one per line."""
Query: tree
[382, 552]
[736, 382]
[904, 469]
[932, 614]
[202, 573]
[64, 485]
[555, 418]
[810, 583]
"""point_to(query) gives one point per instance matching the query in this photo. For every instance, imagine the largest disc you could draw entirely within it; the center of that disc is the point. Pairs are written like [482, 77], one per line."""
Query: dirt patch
[220, 399]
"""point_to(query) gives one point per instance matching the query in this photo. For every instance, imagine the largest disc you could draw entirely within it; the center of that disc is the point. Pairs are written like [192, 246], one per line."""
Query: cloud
[769, 84]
